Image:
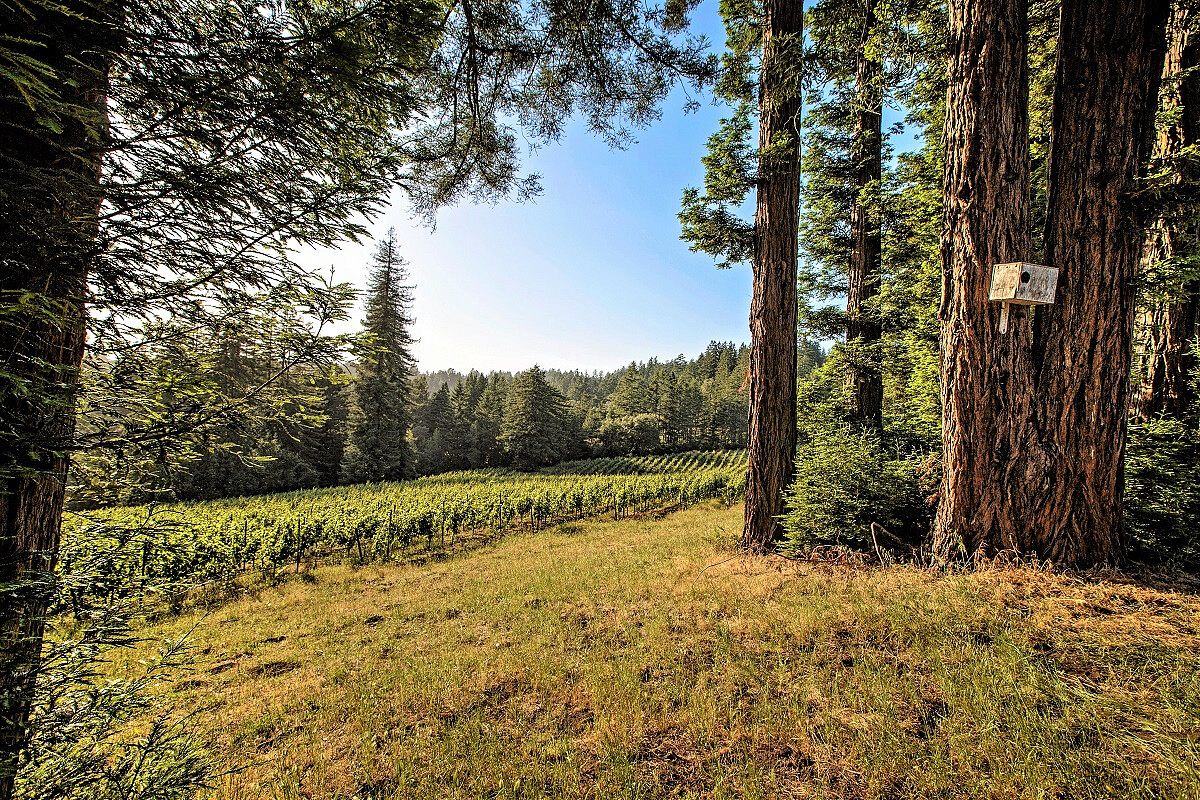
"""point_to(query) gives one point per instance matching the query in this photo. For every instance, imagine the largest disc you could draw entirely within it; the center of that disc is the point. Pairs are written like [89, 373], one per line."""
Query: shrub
[848, 477]
[1162, 492]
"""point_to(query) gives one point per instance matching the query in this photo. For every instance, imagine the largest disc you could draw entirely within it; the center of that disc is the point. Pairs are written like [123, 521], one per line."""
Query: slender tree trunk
[772, 383]
[1110, 58]
[47, 243]
[985, 390]
[1168, 322]
[864, 380]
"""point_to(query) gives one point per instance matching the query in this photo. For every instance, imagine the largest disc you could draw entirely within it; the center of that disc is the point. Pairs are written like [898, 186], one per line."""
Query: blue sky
[591, 275]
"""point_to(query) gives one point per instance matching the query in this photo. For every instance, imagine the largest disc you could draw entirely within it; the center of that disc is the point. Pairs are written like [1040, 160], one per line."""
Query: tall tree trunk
[772, 382]
[864, 380]
[1168, 322]
[1034, 421]
[47, 243]
[1110, 58]
[985, 388]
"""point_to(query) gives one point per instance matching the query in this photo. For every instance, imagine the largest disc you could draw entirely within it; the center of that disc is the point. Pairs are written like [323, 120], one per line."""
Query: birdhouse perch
[1021, 283]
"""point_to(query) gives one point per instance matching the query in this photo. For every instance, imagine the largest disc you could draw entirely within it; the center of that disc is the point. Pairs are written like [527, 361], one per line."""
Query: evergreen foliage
[538, 428]
[848, 477]
[377, 446]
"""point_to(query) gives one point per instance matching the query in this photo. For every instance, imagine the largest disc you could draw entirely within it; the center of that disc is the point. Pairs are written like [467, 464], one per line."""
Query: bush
[848, 477]
[1162, 492]
[844, 482]
[92, 736]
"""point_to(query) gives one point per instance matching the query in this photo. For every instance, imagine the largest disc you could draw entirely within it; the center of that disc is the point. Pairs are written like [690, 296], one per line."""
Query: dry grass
[603, 659]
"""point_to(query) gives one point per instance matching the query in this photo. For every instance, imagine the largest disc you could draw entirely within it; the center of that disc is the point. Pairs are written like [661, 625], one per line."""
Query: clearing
[641, 658]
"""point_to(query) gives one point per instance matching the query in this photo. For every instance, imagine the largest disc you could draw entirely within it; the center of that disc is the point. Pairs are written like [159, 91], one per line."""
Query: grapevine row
[189, 544]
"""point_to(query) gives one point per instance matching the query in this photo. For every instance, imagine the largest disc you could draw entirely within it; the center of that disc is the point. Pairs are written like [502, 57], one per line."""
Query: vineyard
[187, 544]
[653, 465]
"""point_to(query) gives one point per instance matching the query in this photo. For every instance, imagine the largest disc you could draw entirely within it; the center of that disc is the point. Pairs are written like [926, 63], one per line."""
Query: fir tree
[633, 394]
[484, 445]
[378, 448]
[439, 442]
[537, 429]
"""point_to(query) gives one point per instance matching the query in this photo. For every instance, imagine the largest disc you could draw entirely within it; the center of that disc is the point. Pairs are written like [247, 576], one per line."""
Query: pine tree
[632, 395]
[485, 447]
[537, 429]
[378, 448]
[439, 443]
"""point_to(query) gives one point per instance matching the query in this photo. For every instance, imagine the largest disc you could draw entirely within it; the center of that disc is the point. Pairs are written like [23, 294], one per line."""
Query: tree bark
[47, 243]
[1110, 59]
[1035, 421]
[1167, 325]
[864, 380]
[985, 390]
[772, 382]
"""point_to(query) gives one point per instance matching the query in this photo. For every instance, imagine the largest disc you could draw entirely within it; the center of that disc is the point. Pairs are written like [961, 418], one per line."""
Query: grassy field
[642, 659]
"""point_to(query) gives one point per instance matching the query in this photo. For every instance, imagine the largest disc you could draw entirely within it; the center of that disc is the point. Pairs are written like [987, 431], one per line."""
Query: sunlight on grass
[602, 659]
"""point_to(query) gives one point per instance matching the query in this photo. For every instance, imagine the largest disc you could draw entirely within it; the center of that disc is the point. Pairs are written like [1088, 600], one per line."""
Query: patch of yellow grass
[642, 659]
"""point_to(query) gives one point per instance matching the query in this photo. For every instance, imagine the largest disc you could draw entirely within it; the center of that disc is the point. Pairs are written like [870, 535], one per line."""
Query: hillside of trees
[306, 410]
[458, 421]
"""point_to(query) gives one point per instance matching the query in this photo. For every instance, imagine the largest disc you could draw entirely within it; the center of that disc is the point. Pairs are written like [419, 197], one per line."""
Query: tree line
[363, 412]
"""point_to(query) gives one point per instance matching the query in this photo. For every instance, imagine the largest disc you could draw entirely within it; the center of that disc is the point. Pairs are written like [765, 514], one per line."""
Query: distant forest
[300, 435]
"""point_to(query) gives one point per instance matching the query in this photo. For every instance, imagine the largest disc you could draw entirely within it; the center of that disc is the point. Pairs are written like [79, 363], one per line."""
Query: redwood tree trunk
[985, 388]
[1170, 329]
[1034, 421]
[1110, 58]
[864, 380]
[1168, 322]
[772, 380]
[47, 242]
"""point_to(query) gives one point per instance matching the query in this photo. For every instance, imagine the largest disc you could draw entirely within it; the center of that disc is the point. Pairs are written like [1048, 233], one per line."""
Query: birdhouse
[1022, 284]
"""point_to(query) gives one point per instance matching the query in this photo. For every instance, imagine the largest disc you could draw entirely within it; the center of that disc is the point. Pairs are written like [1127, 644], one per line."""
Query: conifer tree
[159, 155]
[485, 447]
[537, 429]
[862, 56]
[763, 78]
[1169, 279]
[1034, 421]
[377, 448]
[632, 396]
[440, 443]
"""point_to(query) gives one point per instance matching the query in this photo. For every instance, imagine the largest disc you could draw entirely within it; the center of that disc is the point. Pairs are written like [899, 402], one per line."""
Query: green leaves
[712, 220]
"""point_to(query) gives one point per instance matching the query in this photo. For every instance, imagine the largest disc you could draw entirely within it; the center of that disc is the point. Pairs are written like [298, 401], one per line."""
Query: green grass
[643, 659]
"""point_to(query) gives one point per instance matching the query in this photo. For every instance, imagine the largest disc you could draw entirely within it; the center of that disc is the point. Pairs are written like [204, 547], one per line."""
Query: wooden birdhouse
[1022, 284]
